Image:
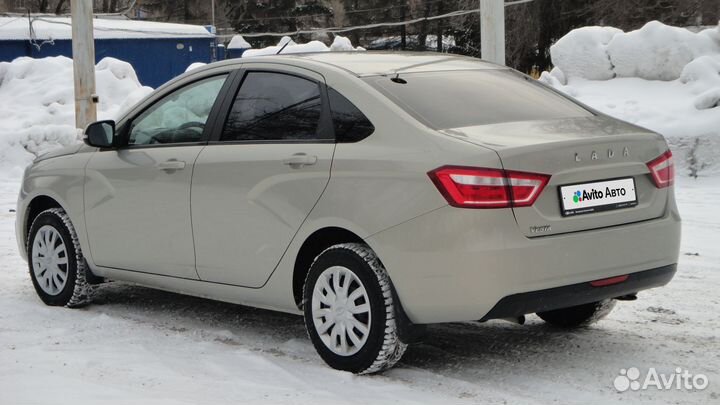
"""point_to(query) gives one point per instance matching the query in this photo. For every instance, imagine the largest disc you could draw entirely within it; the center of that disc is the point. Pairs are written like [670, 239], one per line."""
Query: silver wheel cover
[341, 311]
[50, 260]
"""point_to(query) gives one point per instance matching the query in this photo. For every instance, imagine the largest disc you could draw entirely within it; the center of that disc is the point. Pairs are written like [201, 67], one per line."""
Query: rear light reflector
[471, 187]
[663, 170]
[609, 281]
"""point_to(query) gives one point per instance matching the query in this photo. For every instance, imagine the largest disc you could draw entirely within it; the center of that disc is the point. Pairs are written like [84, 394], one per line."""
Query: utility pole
[214, 31]
[403, 40]
[83, 49]
[492, 30]
[439, 34]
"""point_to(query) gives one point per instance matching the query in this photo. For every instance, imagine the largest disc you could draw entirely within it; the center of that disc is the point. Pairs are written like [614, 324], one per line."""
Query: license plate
[586, 198]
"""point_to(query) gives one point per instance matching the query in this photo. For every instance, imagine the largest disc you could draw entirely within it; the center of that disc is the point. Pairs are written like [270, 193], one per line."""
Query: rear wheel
[57, 267]
[349, 310]
[578, 316]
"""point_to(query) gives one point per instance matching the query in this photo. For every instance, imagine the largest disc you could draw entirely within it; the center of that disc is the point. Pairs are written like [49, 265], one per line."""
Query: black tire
[76, 291]
[382, 347]
[578, 316]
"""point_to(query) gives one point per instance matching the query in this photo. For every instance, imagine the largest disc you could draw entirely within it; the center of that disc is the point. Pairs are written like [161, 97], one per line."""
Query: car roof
[376, 63]
[384, 63]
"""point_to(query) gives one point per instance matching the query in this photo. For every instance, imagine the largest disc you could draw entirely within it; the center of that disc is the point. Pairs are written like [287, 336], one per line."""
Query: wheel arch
[313, 245]
[38, 204]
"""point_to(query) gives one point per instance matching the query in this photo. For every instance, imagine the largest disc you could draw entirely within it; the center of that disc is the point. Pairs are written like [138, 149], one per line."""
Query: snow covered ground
[137, 345]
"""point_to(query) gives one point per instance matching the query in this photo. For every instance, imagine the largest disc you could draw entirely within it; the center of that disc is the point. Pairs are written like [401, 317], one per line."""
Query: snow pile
[238, 42]
[659, 52]
[583, 53]
[340, 43]
[654, 52]
[194, 66]
[38, 109]
[702, 76]
[664, 78]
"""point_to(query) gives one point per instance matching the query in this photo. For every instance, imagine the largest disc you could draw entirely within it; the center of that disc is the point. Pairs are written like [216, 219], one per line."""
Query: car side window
[178, 117]
[350, 124]
[274, 107]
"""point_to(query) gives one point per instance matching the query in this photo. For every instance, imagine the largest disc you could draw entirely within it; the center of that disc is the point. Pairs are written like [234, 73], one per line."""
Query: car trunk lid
[576, 151]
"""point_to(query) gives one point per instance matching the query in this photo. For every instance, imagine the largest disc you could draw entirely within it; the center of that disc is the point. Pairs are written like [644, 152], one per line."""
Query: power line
[456, 13]
[338, 30]
[298, 17]
[117, 29]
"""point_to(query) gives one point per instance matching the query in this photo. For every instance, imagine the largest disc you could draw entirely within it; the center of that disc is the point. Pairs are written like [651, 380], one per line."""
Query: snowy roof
[238, 42]
[60, 28]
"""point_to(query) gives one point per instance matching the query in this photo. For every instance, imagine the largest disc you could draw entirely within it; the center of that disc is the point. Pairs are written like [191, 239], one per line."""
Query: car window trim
[332, 112]
[125, 130]
[325, 131]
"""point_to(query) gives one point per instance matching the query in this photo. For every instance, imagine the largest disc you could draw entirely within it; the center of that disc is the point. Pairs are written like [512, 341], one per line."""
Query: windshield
[444, 100]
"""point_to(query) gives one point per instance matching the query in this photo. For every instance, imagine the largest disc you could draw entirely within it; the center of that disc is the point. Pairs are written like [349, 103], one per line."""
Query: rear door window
[444, 100]
[273, 106]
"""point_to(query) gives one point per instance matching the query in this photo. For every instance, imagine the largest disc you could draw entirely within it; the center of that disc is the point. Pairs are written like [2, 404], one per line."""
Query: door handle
[299, 160]
[171, 165]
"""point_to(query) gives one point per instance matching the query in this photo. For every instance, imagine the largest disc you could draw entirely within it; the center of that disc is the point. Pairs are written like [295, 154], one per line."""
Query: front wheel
[350, 312]
[578, 316]
[57, 266]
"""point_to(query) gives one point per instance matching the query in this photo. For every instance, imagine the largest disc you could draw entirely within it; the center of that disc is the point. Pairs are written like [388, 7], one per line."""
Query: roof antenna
[397, 79]
[283, 47]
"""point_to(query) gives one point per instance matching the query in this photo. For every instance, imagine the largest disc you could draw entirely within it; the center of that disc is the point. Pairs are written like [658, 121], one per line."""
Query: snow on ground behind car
[140, 345]
[664, 78]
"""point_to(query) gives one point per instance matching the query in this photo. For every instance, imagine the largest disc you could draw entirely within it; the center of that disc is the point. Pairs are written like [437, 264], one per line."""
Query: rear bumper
[578, 294]
[456, 264]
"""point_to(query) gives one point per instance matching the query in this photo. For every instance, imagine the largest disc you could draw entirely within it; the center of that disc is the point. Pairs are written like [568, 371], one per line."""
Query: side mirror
[100, 134]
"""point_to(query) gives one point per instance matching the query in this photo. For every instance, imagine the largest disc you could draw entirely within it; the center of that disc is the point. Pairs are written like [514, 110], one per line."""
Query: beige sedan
[372, 192]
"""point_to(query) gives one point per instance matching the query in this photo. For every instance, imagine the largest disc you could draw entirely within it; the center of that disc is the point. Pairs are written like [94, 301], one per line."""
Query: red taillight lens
[663, 170]
[526, 187]
[470, 187]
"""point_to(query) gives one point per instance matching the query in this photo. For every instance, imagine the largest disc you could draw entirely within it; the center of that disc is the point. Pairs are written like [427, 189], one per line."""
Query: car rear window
[444, 100]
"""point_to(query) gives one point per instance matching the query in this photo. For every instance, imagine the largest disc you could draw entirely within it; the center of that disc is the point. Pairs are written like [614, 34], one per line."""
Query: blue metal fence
[156, 60]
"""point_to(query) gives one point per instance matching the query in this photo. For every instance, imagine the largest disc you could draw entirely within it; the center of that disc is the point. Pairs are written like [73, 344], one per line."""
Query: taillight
[470, 187]
[663, 170]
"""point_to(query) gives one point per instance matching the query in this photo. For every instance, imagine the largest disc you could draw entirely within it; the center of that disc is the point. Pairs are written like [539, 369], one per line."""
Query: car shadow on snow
[469, 348]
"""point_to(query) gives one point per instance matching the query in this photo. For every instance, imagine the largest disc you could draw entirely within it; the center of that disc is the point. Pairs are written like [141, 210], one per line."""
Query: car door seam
[192, 224]
[332, 161]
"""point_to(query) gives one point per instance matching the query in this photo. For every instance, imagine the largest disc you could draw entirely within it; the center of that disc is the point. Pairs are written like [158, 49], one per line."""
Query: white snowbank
[666, 79]
[50, 28]
[654, 52]
[37, 104]
[582, 53]
[657, 51]
[238, 42]
[340, 43]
